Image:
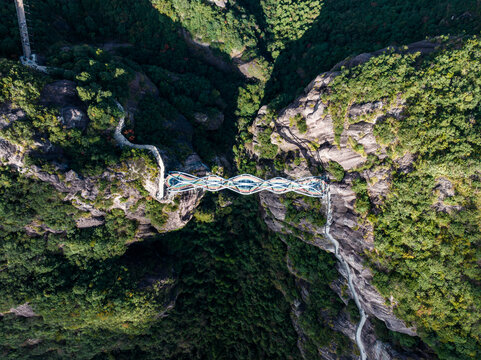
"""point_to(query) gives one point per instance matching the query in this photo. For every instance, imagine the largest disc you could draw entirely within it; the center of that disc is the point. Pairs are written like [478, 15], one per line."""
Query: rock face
[197, 47]
[24, 310]
[423, 46]
[87, 193]
[63, 94]
[8, 114]
[84, 192]
[140, 86]
[219, 3]
[445, 189]
[317, 146]
[251, 68]
[212, 122]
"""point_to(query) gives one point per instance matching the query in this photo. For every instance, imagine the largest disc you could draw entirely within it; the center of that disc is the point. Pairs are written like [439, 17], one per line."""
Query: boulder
[210, 122]
[73, 117]
[63, 95]
[9, 114]
[60, 93]
[24, 310]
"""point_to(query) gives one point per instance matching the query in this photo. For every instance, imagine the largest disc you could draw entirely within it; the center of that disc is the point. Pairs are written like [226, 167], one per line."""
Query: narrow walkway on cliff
[244, 184]
[350, 284]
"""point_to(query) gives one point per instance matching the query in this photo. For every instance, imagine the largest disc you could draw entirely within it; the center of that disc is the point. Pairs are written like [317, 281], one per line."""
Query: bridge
[246, 184]
[177, 182]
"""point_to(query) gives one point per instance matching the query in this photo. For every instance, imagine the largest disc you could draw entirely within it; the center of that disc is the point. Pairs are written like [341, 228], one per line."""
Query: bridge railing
[246, 184]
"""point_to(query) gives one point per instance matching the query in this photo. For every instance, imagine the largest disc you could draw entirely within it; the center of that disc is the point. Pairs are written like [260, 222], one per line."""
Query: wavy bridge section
[246, 184]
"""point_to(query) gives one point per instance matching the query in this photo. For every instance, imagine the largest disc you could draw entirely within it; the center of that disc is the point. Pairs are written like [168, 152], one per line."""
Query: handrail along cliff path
[122, 141]
[350, 284]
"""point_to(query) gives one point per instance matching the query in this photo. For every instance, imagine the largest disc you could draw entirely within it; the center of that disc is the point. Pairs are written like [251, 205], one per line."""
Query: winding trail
[30, 60]
[122, 141]
[359, 342]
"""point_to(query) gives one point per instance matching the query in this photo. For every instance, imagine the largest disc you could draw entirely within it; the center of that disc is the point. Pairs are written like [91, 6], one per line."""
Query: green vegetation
[336, 170]
[89, 287]
[287, 21]
[230, 304]
[426, 238]
[87, 153]
[228, 32]
[354, 312]
[399, 341]
[55, 266]
[363, 204]
[267, 149]
[232, 278]
[346, 29]
[303, 208]
[322, 306]
[300, 123]
[25, 202]
[155, 212]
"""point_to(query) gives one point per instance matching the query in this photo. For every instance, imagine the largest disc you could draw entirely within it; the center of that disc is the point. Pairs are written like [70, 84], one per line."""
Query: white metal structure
[22, 23]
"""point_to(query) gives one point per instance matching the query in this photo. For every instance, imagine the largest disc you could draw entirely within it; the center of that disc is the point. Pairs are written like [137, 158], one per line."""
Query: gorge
[379, 261]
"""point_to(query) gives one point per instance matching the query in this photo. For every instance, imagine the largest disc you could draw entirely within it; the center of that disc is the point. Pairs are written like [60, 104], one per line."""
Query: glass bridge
[245, 184]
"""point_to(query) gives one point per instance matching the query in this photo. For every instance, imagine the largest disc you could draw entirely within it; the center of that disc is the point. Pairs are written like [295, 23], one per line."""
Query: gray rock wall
[317, 146]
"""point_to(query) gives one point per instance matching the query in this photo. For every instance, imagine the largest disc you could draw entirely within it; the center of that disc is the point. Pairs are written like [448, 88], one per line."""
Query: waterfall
[349, 278]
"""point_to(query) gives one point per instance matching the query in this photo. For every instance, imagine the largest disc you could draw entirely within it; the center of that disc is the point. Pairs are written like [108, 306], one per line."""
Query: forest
[97, 291]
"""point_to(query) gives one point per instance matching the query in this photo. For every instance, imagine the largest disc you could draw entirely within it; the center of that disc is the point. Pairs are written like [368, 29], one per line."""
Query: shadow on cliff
[190, 80]
[342, 29]
[345, 28]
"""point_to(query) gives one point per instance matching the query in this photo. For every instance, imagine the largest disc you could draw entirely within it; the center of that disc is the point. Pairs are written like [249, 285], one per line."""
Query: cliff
[130, 185]
[124, 192]
[304, 136]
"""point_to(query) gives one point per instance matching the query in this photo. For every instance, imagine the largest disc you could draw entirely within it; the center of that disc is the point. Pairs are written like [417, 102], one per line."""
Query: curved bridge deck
[245, 184]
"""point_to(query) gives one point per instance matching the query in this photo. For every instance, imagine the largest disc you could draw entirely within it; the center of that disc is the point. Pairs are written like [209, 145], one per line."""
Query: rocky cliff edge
[304, 136]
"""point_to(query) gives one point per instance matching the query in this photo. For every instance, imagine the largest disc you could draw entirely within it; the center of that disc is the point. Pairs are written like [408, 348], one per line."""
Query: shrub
[336, 170]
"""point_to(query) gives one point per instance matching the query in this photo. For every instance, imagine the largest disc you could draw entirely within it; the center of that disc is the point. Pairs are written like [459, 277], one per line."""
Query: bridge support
[22, 22]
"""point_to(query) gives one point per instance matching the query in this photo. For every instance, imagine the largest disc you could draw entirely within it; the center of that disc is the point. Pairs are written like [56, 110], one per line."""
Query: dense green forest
[97, 297]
